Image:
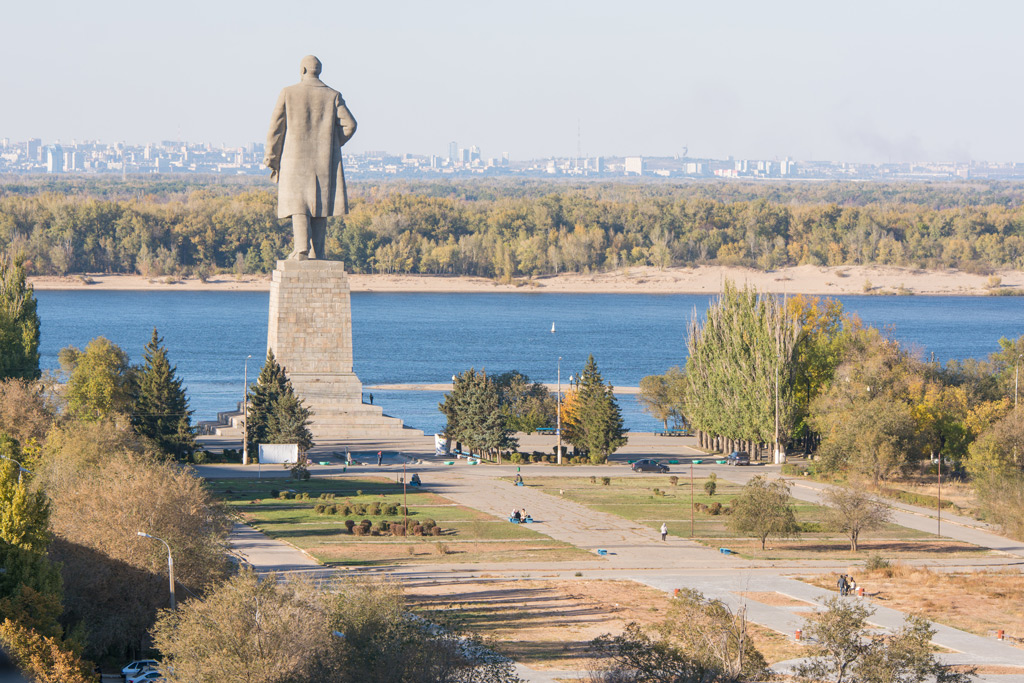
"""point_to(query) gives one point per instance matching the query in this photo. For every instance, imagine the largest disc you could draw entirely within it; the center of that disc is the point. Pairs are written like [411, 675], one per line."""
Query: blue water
[426, 338]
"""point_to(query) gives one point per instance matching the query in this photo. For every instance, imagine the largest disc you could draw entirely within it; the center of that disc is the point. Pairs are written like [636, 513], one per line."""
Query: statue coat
[309, 125]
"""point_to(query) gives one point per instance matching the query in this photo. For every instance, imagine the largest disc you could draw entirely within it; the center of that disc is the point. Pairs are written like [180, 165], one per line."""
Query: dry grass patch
[549, 624]
[369, 553]
[816, 548]
[775, 599]
[978, 602]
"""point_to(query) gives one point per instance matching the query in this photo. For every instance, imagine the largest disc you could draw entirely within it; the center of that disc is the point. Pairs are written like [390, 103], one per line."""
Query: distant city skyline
[865, 82]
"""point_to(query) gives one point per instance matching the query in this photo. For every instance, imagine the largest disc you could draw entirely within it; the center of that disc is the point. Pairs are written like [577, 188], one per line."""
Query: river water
[426, 338]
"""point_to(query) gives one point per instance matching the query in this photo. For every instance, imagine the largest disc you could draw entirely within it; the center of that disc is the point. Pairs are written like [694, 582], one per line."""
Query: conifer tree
[595, 422]
[474, 414]
[161, 410]
[276, 414]
[19, 323]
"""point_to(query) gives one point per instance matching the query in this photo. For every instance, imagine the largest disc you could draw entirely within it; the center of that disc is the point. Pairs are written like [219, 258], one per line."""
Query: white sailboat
[552, 328]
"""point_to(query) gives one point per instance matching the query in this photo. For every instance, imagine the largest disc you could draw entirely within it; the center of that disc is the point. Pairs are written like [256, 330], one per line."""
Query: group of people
[520, 516]
[846, 584]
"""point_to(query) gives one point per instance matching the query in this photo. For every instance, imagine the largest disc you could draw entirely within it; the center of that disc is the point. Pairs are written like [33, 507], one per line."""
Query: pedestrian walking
[664, 531]
[348, 456]
[371, 399]
[841, 584]
[380, 455]
[853, 586]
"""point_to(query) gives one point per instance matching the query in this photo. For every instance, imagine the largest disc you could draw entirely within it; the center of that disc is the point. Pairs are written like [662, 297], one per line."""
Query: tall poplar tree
[276, 414]
[19, 323]
[161, 410]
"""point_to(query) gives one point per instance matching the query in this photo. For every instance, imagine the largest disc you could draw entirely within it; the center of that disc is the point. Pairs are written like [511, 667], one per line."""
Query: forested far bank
[513, 229]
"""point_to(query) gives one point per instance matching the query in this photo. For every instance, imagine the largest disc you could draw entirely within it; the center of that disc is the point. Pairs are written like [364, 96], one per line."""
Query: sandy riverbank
[645, 280]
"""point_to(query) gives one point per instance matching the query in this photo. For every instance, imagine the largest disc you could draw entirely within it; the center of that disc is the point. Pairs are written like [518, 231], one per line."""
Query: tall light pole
[558, 410]
[170, 565]
[245, 413]
[21, 468]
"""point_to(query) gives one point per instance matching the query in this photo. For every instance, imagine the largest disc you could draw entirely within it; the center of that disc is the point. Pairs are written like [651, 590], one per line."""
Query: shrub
[273, 493]
[417, 530]
[404, 510]
[359, 492]
[391, 509]
[593, 480]
[700, 507]
[358, 531]
[330, 496]
[349, 523]
[319, 508]
[346, 510]
[383, 525]
[323, 496]
[428, 524]
[606, 481]
[715, 508]
[284, 495]
[674, 480]
[436, 531]
[796, 470]
[876, 562]
[441, 548]
[199, 457]
[331, 509]
[304, 496]
[657, 492]
[365, 524]
[516, 458]
[359, 509]
[710, 486]
[397, 529]
[375, 510]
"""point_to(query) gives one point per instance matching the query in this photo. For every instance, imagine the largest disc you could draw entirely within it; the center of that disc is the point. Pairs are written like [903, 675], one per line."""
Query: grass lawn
[468, 535]
[549, 624]
[978, 602]
[634, 497]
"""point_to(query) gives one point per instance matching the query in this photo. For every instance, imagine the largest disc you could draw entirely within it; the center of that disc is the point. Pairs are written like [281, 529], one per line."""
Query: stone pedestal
[310, 333]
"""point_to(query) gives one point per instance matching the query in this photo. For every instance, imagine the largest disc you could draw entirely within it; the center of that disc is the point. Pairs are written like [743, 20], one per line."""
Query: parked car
[738, 458]
[649, 466]
[146, 677]
[139, 666]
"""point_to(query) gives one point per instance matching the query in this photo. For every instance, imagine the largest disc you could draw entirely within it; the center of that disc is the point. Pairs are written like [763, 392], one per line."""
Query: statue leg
[300, 237]
[318, 236]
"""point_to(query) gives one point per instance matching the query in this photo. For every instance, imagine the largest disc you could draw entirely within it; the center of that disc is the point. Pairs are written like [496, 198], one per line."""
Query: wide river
[426, 338]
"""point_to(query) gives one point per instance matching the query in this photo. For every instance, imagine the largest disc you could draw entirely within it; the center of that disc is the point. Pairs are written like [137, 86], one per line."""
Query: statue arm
[346, 123]
[275, 138]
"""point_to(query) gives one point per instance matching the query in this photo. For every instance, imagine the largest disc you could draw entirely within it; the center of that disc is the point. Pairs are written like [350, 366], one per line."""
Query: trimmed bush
[323, 496]
[366, 524]
[715, 508]
[319, 508]
[331, 509]
[710, 486]
[284, 495]
[593, 480]
[417, 530]
[383, 525]
[391, 509]
[436, 531]
[397, 529]
[876, 562]
[358, 531]
[404, 511]
[359, 492]
[349, 523]
[516, 458]
[674, 480]
[375, 510]
[606, 481]
[428, 524]
[274, 493]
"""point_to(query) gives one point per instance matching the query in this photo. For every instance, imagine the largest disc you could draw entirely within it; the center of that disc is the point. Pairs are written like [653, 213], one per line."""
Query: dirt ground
[978, 602]
[549, 624]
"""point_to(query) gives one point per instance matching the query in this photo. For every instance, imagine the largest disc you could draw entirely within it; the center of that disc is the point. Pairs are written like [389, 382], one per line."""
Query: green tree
[526, 405]
[24, 514]
[19, 323]
[845, 649]
[663, 397]
[161, 410]
[474, 415]
[276, 414]
[100, 381]
[762, 509]
[594, 425]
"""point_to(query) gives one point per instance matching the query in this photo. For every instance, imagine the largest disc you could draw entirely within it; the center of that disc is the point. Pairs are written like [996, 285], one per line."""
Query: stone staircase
[335, 421]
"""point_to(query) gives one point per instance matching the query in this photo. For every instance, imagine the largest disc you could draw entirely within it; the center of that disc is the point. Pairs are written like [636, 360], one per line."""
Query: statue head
[310, 65]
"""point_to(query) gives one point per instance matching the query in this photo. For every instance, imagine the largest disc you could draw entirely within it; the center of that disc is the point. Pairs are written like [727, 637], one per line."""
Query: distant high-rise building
[464, 156]
[634, 165]
[32, 148]
[54, 159]
[72, 161]
[453, 152]
[474, 153]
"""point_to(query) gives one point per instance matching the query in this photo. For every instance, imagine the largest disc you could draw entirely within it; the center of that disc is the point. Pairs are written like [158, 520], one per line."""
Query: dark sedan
[649, 466]
[738, 458]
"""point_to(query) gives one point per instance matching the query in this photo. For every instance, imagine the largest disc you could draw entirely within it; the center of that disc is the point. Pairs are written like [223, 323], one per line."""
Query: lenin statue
[309, 125]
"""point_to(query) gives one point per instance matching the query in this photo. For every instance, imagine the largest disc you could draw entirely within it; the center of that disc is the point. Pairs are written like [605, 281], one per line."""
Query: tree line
[510, 229]
[766, 374]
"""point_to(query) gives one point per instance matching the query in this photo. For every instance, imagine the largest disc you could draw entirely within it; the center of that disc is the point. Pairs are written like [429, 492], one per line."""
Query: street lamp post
[558, 411]
[170, 565]
[21, 468]
[245, 413]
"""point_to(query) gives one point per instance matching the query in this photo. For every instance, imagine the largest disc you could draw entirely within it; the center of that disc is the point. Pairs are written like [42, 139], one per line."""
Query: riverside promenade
[634, 552]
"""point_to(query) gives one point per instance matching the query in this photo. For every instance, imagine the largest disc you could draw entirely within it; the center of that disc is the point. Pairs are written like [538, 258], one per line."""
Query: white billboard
[279, 452]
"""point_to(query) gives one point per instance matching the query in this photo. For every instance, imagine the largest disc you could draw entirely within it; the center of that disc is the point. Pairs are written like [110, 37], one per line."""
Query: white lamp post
[558, 402]
[21, 468]
[170, 565]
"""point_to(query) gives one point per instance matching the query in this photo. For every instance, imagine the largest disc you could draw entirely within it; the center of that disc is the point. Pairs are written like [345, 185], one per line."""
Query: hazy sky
[855, 80]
